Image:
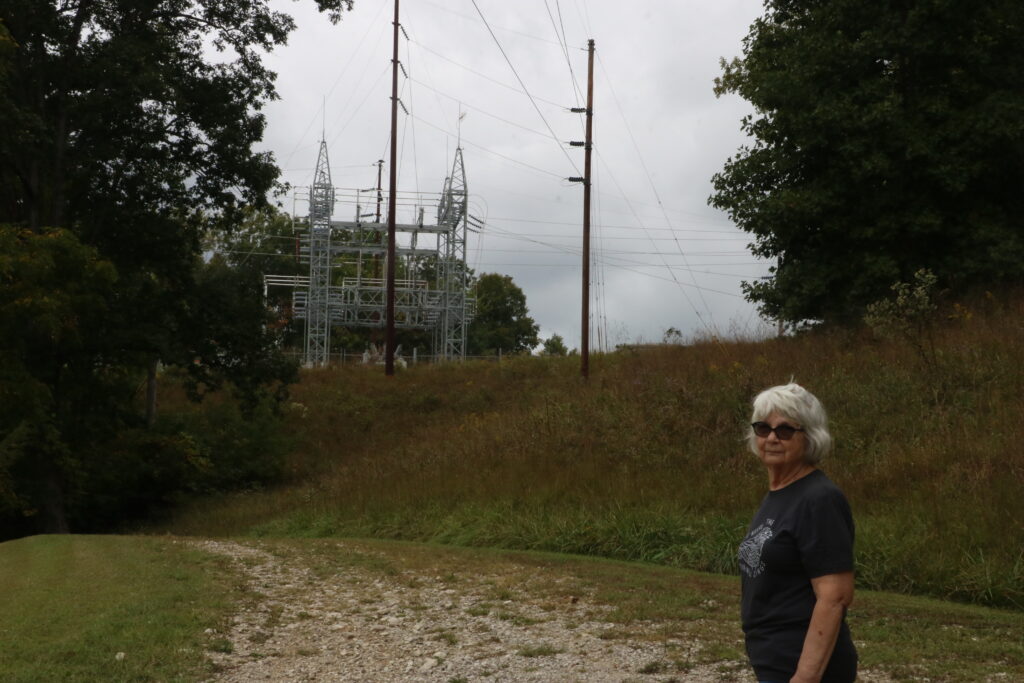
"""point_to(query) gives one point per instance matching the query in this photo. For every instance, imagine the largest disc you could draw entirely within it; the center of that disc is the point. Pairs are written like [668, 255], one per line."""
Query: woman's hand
[834, 593]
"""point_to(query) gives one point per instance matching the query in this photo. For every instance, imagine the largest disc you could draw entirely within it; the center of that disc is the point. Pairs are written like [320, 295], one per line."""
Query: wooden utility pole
[380, 195]
[781, 324]
[587, 145]
[389, 352]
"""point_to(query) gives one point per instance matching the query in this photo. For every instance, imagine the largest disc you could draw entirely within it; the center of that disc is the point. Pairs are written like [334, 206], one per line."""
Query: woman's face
[774, 452]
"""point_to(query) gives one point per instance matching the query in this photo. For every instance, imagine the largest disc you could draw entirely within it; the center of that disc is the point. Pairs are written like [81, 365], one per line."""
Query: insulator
[576, 179]
[576, 143]
[579, 110]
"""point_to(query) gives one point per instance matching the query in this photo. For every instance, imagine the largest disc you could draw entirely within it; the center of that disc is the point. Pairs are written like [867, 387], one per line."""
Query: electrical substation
[347, 281]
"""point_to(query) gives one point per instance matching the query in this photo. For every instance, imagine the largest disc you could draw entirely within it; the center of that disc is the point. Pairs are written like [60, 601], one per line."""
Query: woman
[796, 561]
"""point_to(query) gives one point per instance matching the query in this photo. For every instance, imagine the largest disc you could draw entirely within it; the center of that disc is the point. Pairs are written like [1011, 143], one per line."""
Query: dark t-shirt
[802, 531]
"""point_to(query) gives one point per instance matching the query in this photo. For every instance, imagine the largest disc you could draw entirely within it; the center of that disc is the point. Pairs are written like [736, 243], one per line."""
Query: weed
[909, 316]
[543, 650]
[221, 645]
[447, 637]
[655, 667]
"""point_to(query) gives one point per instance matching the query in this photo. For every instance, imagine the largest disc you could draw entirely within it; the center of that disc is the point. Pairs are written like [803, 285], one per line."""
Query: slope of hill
[646, 460]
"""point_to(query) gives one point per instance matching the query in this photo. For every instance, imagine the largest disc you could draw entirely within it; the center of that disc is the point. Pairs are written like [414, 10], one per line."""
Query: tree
[56, 391]
[887, 138]
[555, 346]
[125, 140]
[502, 321]
[265, 242]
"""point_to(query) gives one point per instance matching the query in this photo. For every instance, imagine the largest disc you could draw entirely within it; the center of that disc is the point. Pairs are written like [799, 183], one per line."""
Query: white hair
[795, 403]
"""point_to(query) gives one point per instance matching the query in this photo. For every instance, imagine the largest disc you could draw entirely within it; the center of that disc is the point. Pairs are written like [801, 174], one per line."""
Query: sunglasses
[784, 432]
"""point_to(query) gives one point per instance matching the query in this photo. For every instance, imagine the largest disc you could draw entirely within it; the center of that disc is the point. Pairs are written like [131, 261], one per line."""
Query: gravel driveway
[359, 624]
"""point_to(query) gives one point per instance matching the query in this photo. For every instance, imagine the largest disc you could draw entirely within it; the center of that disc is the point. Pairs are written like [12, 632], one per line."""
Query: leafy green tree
[58, 390]
[672, 336]
[555, 346]
[265, 242]
[124, 131]
[227, 328]
[502, 320]
[887, 137]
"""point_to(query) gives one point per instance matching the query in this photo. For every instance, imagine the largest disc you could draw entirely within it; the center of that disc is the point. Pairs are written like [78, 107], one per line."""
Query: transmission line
[647, 173]
[525, 90]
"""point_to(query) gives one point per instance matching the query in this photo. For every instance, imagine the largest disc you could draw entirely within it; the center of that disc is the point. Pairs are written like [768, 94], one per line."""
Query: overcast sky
[663, 258]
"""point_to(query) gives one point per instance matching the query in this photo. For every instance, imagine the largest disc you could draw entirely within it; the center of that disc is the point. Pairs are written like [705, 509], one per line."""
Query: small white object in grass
[119, 656]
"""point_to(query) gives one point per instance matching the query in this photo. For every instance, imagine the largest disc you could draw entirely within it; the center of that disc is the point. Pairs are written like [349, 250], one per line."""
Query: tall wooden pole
[389, 314]
[380, 195]
[588, 144]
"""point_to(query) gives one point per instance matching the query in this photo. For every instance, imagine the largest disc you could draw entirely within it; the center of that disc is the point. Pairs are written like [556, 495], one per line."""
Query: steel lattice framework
[450, 333]
[438, 301]
[318, 297]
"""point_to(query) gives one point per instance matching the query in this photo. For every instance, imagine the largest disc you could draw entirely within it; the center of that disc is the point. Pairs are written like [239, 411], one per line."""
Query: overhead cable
[489, 151]
[525, 89]
[643, 164]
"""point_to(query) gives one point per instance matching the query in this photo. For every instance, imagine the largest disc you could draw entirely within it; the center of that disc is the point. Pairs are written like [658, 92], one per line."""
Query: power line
[525, 90]
[577, 93]
[337, 80]
[483, 75]
[483, 111]
[370, 91]
[492, 152]
[671, 272]
[499, 28]
[643, 164]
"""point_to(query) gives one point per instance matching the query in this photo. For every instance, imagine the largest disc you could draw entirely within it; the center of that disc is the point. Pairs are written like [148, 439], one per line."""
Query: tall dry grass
[646, 460]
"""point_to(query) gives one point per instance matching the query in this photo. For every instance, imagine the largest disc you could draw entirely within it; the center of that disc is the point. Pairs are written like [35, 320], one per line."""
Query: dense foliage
[502, 323]
[887, 137]
[554, 346]
[128, 133]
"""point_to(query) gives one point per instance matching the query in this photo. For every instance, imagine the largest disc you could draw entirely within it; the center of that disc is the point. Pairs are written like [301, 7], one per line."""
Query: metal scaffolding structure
[318, 296]
[452, 276]
[346, 283]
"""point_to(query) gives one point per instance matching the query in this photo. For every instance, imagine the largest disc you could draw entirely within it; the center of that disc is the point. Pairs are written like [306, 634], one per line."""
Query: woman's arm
[834, 593]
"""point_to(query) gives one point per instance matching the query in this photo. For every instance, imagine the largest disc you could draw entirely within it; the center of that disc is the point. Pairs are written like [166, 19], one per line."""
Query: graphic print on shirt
[750, 549]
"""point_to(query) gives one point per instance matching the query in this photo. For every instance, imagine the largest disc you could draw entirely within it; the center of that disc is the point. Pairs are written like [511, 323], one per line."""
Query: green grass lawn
[70, 604]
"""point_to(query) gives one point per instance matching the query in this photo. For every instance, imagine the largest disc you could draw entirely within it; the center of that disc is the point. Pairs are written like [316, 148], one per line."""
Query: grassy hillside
[645, 461]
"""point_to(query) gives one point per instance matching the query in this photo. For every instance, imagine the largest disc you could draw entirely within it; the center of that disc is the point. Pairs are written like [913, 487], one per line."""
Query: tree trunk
[151, 393]
[55, 519]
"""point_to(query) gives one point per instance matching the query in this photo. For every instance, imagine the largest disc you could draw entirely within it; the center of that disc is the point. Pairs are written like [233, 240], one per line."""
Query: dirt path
[359, 624]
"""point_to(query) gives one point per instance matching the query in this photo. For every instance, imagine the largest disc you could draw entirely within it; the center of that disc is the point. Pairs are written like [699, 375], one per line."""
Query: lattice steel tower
[355, 295]
[318, 304]
[450, 333]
